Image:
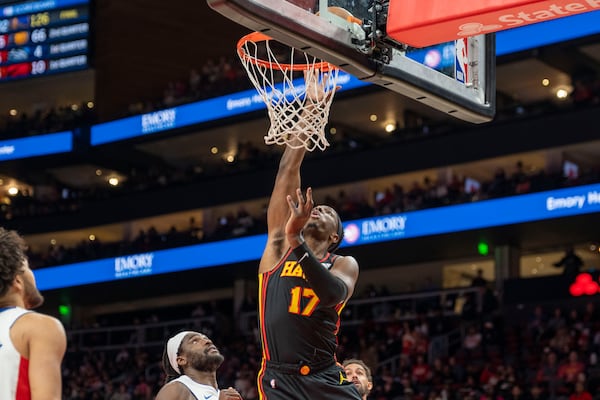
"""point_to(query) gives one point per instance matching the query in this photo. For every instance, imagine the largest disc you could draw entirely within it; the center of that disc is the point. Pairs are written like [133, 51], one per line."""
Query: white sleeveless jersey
[200, 391]
[14, 369]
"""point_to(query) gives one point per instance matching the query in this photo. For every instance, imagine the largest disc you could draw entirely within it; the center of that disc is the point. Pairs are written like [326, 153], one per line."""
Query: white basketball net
[298, 111]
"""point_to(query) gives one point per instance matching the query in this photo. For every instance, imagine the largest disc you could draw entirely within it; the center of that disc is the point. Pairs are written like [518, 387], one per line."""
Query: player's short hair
[12, 258]
[362, 364]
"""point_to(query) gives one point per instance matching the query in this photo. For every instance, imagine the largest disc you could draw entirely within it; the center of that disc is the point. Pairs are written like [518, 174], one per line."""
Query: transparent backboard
[457, 78]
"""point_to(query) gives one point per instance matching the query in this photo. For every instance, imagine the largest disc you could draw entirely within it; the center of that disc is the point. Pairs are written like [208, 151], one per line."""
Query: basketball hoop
[299, 110]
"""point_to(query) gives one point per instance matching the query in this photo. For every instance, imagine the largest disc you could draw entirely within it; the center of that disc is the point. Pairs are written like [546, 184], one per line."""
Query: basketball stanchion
[297, 88]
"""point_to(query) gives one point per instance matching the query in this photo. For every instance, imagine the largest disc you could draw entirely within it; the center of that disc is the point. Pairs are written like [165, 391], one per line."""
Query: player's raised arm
[288, 175]
[286, 182]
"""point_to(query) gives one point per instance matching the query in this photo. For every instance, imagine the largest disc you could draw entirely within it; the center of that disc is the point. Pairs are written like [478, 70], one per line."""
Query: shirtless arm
[47, 344]
[286, 182]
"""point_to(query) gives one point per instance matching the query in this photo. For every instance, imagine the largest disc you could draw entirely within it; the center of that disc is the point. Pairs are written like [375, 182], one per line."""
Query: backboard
[457, 78]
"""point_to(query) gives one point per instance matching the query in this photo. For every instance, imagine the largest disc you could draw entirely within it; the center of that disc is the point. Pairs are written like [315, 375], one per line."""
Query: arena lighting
[483, 248]
[390, 127]
[373, 117]
[13, 112]
[584, 284]
[113, 181]
[214, 150]
[64, 310]
[545, 82]
[562, 93]
[13, 190]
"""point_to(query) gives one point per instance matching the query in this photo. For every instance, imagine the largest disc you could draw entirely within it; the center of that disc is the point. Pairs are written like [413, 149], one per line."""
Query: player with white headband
[190, 362]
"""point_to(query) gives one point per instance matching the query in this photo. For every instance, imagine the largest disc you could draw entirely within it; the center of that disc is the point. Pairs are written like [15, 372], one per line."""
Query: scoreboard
[43, 37]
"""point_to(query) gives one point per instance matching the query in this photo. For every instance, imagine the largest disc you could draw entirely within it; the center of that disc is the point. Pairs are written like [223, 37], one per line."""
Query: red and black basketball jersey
[294, 327]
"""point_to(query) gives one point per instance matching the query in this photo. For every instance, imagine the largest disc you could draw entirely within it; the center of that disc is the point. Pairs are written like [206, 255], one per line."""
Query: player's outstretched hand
[299, 212]
[317, 90]
[229, 394]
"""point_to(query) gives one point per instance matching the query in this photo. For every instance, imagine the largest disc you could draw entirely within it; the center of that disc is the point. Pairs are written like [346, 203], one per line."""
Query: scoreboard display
[43, 37]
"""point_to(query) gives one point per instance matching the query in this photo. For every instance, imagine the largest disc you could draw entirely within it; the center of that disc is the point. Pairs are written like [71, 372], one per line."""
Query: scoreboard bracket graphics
[43, 37]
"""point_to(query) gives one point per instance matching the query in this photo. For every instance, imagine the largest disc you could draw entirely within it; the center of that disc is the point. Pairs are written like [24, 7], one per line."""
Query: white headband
[173, 345]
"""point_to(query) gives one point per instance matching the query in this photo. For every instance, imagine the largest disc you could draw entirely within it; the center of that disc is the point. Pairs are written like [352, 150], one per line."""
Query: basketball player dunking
[303, 287]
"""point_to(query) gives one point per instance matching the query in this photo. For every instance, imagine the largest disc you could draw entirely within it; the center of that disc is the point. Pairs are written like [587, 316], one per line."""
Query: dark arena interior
[467, 289]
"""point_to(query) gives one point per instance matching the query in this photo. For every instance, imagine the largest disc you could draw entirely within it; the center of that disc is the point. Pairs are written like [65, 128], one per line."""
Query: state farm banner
[424, 23]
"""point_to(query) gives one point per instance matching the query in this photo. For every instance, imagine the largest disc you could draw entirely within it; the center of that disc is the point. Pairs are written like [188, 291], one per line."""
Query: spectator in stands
[360, 374]
[472, 342]
[570, 370]
[520, 180]
[580, 393]
[421, 373]
[536, 392]
[557, 321]
[121, 394]
[547, 374]
[479, 280]
[32, 345]
[142, 390]
[536, 326]
[190, 362]
[500, 184]
[571, 262]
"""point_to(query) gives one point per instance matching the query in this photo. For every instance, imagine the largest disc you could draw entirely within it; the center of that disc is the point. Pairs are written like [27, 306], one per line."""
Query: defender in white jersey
[32, 345]
[190, 361]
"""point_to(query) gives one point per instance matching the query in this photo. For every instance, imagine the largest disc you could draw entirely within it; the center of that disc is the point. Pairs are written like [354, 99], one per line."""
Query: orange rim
[261, 37]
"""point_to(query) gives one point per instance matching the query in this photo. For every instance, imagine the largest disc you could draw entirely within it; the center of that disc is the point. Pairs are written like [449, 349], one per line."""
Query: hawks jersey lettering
[294, 327]
[14, 369]
[199, 390]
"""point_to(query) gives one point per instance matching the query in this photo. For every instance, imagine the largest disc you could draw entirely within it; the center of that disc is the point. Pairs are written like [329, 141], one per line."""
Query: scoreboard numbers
[39, 37]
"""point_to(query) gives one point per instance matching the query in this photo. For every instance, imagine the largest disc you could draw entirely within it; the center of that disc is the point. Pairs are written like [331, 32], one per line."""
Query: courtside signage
[558, 30]
[194, 113]
[152, 263]
[482, 214]
[420, 24]
[39, 145]
[489, 213]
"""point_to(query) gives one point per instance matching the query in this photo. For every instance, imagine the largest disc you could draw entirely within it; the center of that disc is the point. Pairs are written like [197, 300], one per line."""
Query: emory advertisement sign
[425, 23]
